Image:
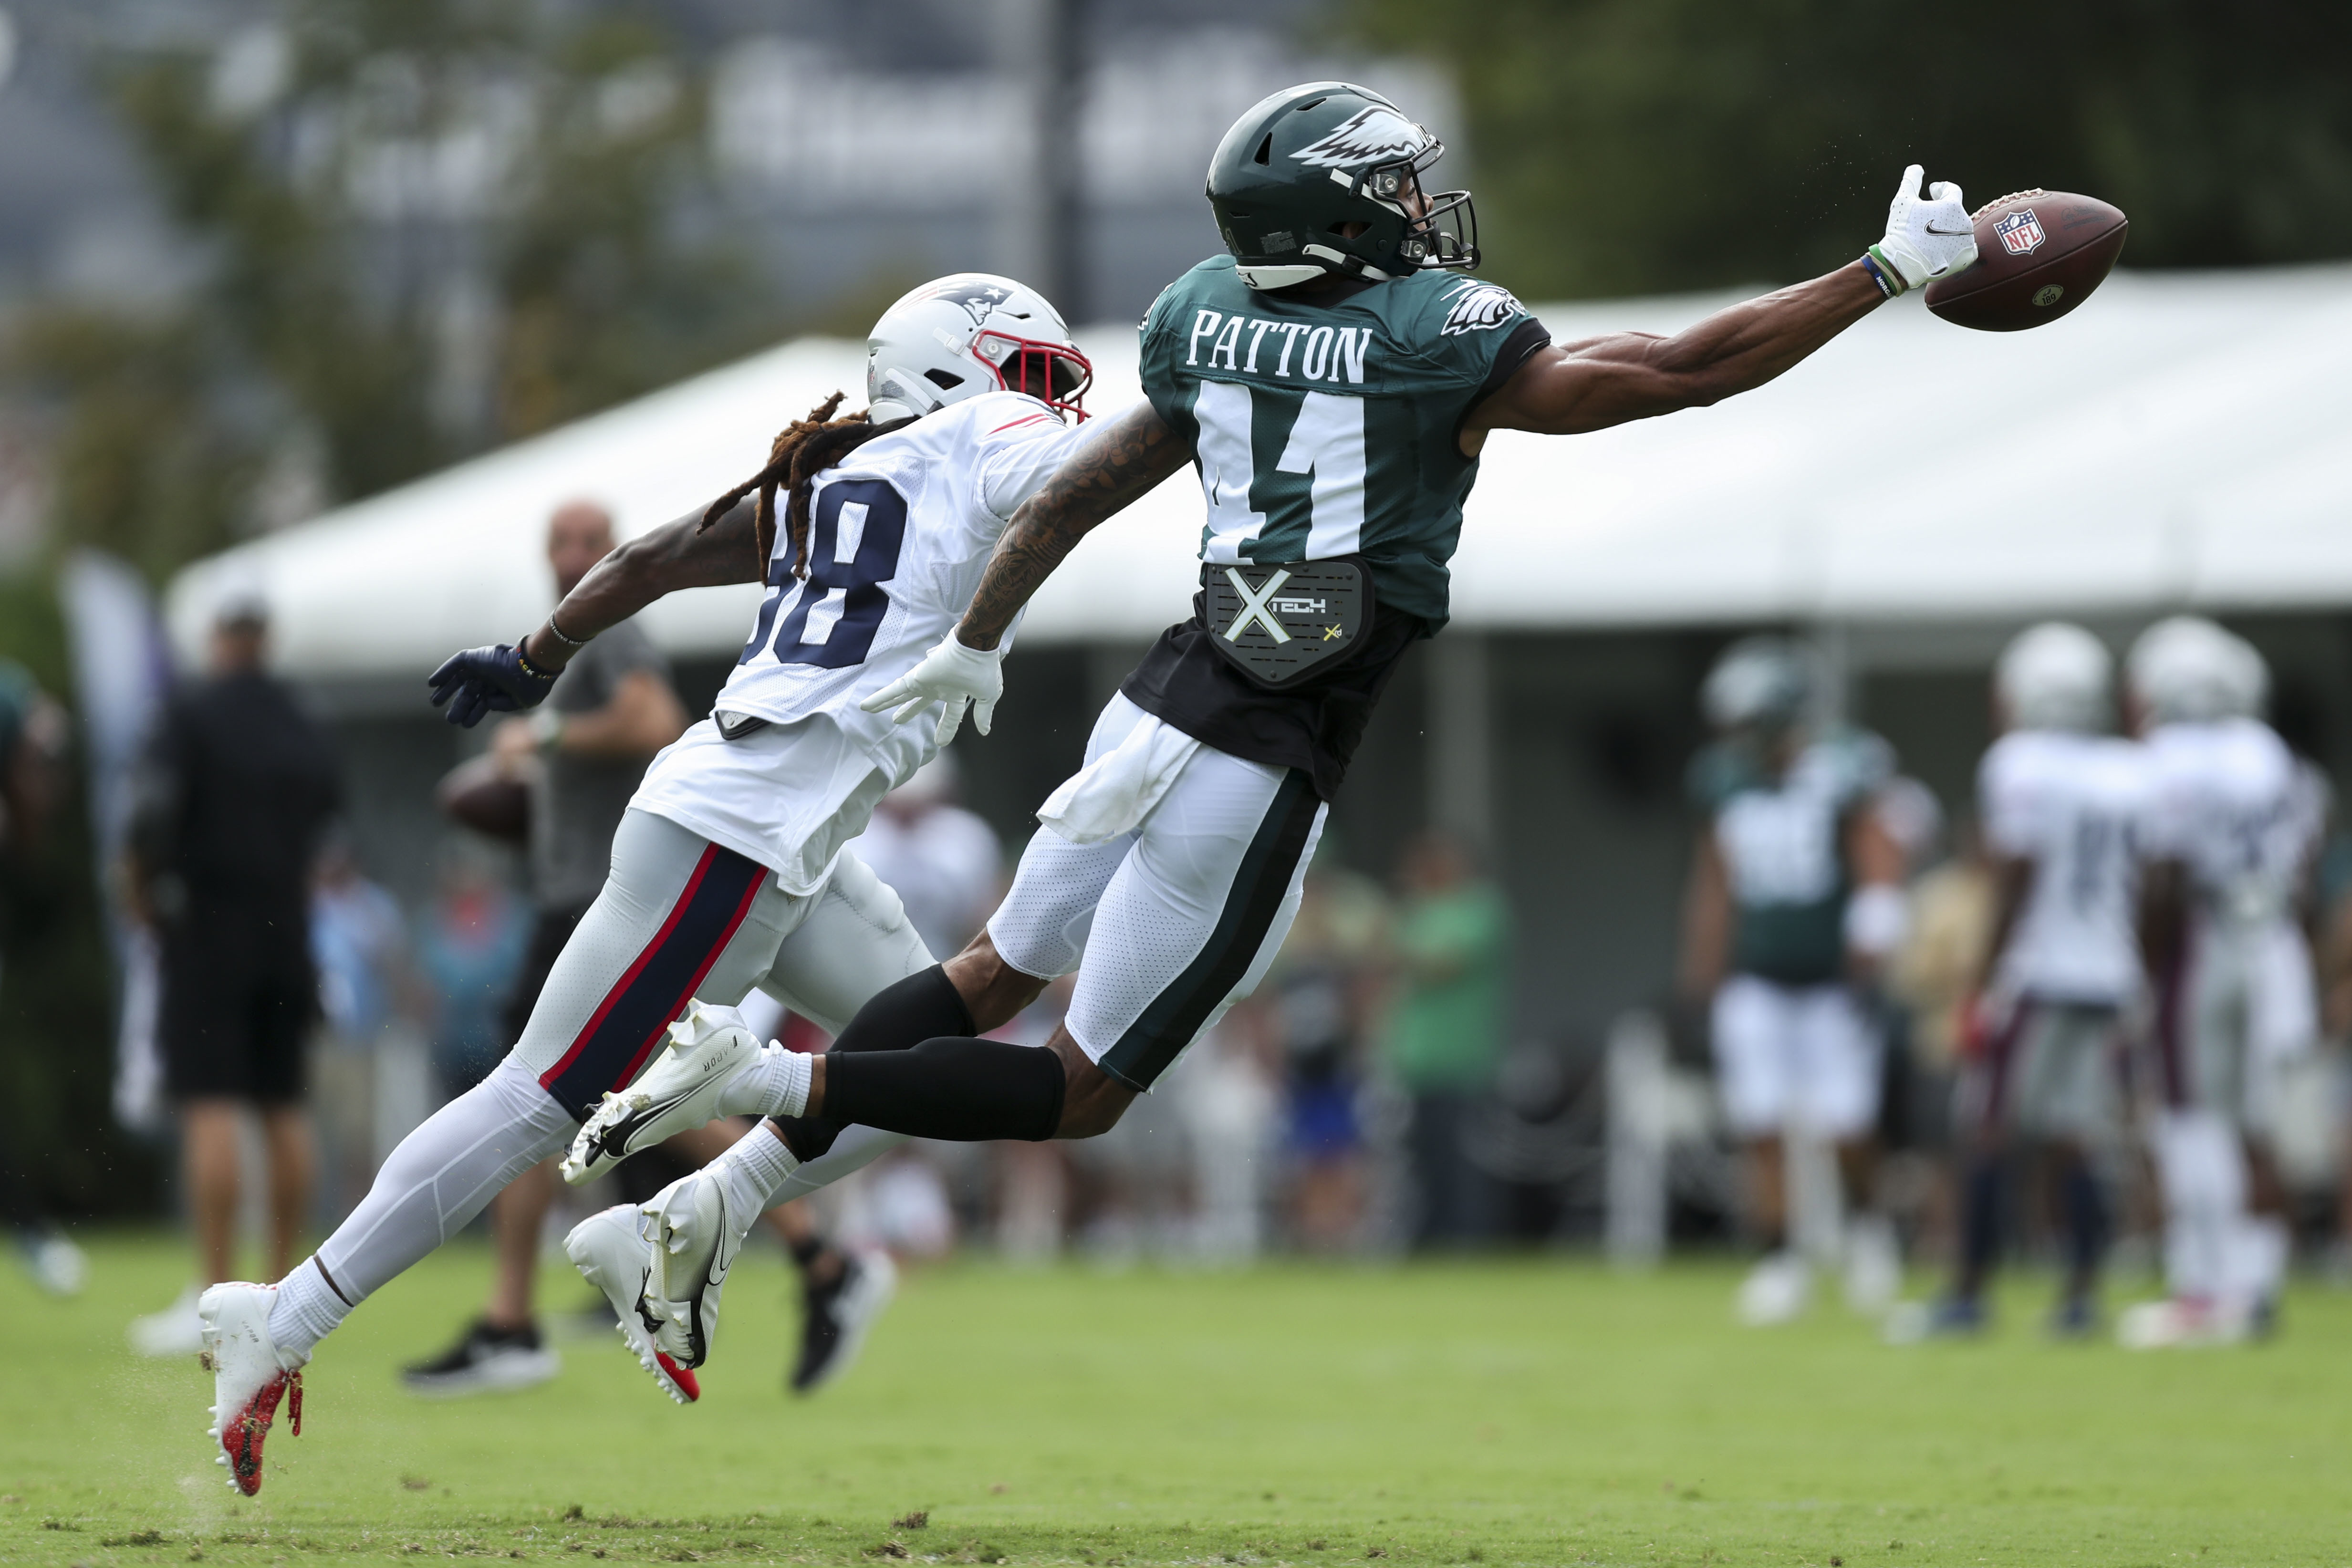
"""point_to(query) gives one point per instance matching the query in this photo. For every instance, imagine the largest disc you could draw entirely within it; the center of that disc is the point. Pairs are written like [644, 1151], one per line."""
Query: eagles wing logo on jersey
[1371, 135]
[1480, 307]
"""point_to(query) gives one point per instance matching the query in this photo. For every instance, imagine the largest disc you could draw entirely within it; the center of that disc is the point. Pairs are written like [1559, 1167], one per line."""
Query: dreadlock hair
[801, 450]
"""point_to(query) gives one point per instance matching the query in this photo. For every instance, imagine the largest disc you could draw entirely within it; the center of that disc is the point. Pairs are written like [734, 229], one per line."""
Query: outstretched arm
[1568, 390]
[1592, 386]
[1119, 468]
[683, 554]
[680, 554]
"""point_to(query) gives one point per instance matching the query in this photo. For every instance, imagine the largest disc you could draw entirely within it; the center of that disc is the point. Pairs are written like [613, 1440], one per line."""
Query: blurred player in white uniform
[2062, 802]
[1795, 900]
[2231, 831]
[729, 870]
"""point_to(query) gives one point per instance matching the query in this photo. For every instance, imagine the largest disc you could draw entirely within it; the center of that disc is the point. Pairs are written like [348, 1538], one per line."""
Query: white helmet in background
[2186, 670]
[1759, 682]
[2056, 676]
[2250, 680]
[974, 332]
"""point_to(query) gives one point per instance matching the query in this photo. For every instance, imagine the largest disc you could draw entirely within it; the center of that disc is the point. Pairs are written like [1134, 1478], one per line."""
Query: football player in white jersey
[729, 871]
[1795, 898]
[2061, 801]
[2228, 842]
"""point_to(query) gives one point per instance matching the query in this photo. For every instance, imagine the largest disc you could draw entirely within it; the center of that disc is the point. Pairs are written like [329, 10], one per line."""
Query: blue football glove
[487, 680]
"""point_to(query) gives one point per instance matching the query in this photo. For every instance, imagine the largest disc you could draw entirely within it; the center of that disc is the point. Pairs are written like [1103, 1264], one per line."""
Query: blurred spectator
[1312, 1010]
[233, 796]
[583, 753]
[1445, 1027]
[32, 768]
[945, 864]
[1932, 979]
[360, 943]
[469, 943]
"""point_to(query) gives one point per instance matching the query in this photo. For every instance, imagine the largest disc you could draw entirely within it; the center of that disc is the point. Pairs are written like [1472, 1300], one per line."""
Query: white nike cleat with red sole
[251, 1377]
[611, 1254]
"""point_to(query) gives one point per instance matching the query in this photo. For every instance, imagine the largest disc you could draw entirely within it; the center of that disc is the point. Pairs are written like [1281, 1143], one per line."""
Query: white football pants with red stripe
[679, 917]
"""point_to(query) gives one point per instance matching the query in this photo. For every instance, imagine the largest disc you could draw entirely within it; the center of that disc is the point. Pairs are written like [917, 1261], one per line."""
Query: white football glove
[951, 674]
[1925, 240]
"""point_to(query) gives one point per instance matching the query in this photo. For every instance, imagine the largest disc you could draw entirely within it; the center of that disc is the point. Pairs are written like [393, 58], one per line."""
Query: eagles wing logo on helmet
[1371, 135]
[1479, 308]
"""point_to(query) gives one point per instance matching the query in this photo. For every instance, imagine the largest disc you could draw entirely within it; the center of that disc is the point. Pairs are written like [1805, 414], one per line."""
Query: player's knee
[991, 988]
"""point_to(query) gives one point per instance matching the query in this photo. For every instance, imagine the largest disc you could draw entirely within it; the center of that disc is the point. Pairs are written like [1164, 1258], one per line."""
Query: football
[2040, 253]
[477, 794]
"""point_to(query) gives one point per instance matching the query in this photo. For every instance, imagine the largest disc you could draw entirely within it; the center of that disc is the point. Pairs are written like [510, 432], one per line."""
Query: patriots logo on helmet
[2021, 232]
[1371, 135]
[978, 298]
[1479, 308]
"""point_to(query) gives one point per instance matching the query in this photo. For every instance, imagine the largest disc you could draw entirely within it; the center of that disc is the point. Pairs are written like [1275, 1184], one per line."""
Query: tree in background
[424, 227]
[429, 227]
[1638, 146]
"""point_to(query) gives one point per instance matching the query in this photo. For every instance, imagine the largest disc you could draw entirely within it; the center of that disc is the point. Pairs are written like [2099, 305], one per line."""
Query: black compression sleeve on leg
[964, 1091]
[899, 1017]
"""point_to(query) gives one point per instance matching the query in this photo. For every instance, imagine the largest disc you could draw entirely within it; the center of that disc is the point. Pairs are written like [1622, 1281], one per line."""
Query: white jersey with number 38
[898, 536]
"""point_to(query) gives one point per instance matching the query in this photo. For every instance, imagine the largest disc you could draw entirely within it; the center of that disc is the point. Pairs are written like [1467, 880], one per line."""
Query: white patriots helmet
[974, 332]
[2186, 670]
[2056, 676]
[1760, 683]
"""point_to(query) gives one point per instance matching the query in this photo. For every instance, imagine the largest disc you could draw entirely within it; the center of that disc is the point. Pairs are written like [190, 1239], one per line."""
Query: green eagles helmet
[1310, 160]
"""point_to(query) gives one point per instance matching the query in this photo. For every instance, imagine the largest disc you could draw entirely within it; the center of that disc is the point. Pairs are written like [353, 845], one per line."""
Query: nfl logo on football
[2021, 232]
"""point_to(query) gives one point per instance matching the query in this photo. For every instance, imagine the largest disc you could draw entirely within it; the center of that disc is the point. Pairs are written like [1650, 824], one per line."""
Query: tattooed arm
[1132, 454]
[680, 554]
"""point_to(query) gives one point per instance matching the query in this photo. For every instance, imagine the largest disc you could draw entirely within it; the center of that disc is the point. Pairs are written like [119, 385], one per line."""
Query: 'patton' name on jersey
[1325, 353]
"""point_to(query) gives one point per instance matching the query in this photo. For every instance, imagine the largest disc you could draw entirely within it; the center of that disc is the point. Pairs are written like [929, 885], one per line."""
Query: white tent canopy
[2181, 440]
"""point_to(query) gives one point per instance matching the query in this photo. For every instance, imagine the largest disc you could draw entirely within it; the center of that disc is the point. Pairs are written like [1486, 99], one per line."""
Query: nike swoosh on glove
[951, 674]
[487, 680]
[1925, 239]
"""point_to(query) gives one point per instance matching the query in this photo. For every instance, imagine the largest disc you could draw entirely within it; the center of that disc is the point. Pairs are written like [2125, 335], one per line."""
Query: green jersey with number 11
[1332, 427]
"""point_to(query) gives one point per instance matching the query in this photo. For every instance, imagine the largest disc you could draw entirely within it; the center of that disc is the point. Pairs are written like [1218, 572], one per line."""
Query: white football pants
[679, 917]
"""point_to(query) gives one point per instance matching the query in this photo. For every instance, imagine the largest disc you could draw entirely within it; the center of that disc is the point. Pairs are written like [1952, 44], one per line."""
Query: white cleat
[57, 1265]
[2178, 1322]
[250, 1376]
[1775, 1292]
[681, 1091]
[696, 1233]
[610, 1253]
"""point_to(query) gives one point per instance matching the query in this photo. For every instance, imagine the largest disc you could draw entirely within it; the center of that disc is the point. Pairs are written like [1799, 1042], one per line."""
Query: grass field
[1505, 1413]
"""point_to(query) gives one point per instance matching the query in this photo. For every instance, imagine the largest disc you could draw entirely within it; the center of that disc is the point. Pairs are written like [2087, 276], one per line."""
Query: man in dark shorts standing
[234, 794]
[584, 751]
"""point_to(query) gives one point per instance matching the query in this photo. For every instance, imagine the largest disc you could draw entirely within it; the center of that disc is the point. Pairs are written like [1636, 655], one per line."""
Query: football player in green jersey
[1333, 377]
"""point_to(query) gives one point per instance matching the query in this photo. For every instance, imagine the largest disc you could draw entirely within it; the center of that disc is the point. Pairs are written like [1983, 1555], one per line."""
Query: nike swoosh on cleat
[615, 1139]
